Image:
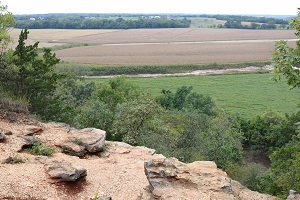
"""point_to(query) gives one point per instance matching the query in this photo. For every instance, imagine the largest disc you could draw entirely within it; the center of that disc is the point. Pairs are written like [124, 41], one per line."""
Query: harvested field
[53, 37]
[170, 54]
[181, 35]
[164, 46]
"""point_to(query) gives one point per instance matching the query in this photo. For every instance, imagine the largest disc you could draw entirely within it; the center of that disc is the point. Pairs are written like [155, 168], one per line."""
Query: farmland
[161, 46]
[247, 94]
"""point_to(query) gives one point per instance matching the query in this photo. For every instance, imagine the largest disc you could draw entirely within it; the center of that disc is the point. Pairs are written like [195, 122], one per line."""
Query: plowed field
[164, 46]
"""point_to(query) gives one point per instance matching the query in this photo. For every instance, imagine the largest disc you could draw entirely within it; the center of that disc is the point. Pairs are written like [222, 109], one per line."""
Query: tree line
[79, 22]
[135, 21]
[238, 24]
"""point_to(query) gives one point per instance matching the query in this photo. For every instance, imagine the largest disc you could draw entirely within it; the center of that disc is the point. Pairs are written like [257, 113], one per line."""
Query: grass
[67, 46]
[246, 94]
[100, 70]
[198, 22]
[41, 149]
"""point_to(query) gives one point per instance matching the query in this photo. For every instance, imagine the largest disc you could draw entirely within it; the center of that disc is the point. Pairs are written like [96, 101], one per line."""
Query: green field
[198, 22]
[247, 94]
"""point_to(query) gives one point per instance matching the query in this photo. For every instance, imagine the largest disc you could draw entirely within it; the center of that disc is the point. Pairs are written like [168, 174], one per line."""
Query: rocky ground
[85, 166]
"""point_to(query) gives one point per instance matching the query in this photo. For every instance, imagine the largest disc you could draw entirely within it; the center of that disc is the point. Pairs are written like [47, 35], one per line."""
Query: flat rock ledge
[171, 179]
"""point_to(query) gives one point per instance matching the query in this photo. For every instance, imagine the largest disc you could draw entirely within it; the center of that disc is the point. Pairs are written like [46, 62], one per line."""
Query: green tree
[6, 21]
[222, 141]
[265, 132]
[185, 99]
[285, 165]
[34, 77]
[94, 113]
[286, 59]
[133, 118]
[284, 173]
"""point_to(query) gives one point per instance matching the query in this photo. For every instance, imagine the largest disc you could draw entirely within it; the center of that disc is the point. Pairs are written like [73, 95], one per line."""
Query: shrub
[41, 149]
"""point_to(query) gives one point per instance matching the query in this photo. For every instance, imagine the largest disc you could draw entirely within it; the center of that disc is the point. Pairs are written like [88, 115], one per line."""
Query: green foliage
[267, 131]
[76, 22]
[249, 176]
[100, 70]
[41, 149]
[132, 118]
[285, 166]
[287, 59]
[94, 113]
[184, 99]
[30, 76]
[246, 94]
[180, 97]
[267, 184]
[162, 133]
[98, 107]
[222, 141]
[193, 125]
[201, 103]
[6, 21]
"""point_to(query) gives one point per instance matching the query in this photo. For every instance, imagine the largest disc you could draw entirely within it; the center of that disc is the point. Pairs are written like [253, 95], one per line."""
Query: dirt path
[195, 73]
[198, 42]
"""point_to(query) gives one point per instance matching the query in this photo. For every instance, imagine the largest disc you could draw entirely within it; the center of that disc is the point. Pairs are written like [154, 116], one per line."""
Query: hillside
[113, 171]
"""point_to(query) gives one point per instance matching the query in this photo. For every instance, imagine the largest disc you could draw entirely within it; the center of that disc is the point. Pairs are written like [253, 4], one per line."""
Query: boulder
[91, 138]
[171, 179]
[64, 171]
[85, 140]
[73, 149]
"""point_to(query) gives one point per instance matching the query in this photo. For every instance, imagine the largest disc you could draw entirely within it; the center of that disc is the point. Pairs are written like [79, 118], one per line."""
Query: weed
[41, 149]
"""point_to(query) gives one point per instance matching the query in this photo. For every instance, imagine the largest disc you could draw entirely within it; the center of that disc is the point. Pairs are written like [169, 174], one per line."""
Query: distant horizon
[117, 13]
[229, 7]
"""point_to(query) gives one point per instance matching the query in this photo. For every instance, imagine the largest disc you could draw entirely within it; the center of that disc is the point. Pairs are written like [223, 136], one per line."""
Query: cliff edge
[85, 166]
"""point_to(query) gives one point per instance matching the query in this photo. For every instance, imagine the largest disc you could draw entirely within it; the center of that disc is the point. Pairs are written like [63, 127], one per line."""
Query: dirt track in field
[196, 73]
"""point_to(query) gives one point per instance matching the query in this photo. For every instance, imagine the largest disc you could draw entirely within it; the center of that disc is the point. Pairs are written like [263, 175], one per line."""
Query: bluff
[86, 166]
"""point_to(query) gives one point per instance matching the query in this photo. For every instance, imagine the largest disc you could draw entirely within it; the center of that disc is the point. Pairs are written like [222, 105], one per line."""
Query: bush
[41, 149]
[248, 176]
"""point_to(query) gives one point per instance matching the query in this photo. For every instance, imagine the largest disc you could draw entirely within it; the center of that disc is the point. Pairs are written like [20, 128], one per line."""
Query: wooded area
[136, 21]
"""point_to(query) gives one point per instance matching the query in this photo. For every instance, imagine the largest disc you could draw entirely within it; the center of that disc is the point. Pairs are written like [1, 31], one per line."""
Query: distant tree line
[80, 22]
[136, 21]
[253, 25]
[266, 20]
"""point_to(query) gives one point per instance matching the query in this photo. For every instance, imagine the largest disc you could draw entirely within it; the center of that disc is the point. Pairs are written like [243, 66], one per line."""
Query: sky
[240, 7]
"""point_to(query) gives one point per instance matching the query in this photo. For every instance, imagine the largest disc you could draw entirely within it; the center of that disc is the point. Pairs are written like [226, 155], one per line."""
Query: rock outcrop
[114, 172]
[171, 179]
